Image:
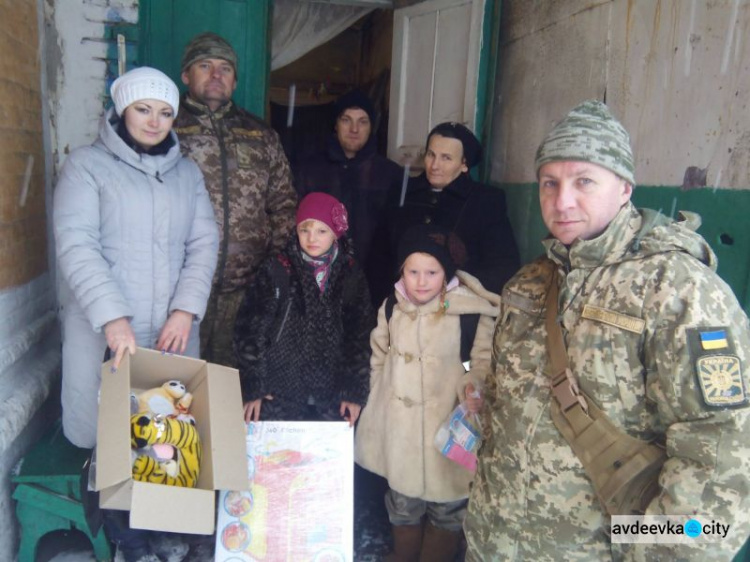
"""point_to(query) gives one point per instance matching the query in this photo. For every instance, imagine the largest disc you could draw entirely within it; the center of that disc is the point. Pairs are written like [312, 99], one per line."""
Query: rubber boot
[439, 545]
[407, 540]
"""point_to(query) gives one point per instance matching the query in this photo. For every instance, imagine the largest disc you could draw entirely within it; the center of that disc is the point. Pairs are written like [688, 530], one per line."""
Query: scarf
[157, 150]
[321, 266]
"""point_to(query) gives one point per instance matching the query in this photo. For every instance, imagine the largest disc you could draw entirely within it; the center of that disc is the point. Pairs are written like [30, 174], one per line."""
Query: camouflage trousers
[493, 538]
[217, 328]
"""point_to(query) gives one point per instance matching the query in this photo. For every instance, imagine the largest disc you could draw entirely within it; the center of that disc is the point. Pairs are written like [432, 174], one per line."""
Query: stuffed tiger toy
[183, 469]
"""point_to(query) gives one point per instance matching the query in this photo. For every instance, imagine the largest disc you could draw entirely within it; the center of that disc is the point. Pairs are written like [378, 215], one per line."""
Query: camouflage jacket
[531, 499]
[249, 181]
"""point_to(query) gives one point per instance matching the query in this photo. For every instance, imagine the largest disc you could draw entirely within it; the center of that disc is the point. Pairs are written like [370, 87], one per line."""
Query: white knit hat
[144, 83]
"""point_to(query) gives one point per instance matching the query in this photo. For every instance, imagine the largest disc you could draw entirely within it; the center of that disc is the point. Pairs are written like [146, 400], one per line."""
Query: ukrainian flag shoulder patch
[713, 339]
[718, 370]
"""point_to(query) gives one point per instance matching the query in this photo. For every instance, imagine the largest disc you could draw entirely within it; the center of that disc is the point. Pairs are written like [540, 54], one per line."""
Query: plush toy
[169, 399]
[164, 456]
[159, 465]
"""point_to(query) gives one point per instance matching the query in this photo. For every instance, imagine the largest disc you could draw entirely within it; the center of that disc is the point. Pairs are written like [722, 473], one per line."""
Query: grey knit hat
[208, 46]
[589, 133]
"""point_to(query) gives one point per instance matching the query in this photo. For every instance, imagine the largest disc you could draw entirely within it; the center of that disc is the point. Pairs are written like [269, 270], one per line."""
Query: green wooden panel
[167, 25]
[723, 211]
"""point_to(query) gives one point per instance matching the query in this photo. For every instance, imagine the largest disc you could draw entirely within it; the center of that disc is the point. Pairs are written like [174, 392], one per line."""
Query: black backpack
[469, 324]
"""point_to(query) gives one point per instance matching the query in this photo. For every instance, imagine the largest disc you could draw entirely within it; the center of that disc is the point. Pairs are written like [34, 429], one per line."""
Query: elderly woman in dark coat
[447, 196]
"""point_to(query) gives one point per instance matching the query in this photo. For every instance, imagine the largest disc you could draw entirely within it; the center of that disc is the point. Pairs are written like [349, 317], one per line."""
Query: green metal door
[167, 25]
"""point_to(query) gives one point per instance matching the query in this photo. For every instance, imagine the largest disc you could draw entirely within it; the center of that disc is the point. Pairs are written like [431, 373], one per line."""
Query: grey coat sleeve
[201, 251]
[84, 268]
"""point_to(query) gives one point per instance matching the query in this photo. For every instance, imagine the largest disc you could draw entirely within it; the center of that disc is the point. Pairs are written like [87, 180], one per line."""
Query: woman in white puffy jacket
[136, 242]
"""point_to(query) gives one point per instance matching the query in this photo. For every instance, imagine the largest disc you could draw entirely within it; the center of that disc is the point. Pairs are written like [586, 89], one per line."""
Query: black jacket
[369, 186]
[476, 213]
[320, 347]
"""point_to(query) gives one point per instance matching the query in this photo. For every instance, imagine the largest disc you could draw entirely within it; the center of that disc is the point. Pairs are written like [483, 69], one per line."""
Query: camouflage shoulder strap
[623, 469]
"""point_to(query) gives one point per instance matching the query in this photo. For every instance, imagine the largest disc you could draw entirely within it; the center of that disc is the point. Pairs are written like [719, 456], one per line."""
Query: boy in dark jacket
[302, 332]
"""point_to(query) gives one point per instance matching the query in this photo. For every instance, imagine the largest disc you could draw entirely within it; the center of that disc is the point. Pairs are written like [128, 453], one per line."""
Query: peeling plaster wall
[51, 106]
[29, 338]
[77, 61]
[675, 72]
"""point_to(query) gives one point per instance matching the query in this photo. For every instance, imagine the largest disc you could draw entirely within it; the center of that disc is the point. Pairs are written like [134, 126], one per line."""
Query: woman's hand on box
[175, 333]
[120, 338]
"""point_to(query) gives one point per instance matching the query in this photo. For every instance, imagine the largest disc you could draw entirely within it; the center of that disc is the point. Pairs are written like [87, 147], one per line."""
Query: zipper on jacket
[157, 176]
[283, 320]
[221, 266]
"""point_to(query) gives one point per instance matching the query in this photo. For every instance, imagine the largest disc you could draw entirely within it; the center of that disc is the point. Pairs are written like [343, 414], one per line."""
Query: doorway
[303, 93]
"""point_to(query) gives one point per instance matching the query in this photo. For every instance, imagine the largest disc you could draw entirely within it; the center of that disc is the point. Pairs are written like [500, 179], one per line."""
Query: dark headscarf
[453, 130]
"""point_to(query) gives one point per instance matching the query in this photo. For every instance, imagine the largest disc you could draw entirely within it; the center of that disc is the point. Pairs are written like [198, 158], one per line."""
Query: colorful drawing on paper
[300, 503]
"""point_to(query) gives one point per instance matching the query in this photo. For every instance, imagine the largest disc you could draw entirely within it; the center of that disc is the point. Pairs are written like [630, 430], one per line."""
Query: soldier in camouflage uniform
[247, 176]
[654, 337]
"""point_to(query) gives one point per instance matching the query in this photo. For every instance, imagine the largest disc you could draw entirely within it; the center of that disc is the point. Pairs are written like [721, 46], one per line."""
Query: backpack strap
[390, 302]
[280, 270]
[469, 323]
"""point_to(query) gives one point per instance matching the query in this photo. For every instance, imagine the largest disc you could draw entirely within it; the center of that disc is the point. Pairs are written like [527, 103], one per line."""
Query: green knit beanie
[589, 133]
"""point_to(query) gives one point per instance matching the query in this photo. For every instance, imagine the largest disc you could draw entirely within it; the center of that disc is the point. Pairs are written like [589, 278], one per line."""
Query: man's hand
[120, 338]
[174, 335]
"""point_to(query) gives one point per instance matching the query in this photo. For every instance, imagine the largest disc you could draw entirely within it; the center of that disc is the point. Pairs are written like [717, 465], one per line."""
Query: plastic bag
[459, 437]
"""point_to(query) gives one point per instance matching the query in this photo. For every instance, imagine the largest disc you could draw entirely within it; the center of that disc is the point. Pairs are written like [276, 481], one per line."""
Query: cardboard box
[217, 407]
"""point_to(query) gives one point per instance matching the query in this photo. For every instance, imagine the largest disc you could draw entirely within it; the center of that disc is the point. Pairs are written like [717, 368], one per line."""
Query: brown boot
[407, 540]
[439, 545]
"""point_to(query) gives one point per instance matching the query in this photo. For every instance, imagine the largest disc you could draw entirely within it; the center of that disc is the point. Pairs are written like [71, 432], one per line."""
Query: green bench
[48, 495]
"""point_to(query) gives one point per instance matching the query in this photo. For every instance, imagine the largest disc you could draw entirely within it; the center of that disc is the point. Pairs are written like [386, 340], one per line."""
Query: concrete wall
[674, 71]
[29, 344]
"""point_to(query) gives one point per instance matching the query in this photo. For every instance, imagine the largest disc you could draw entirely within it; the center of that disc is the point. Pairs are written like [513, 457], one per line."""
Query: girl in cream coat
[417, 379]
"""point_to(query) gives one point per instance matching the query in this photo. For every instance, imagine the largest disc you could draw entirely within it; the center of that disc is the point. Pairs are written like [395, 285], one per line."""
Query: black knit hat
[453, 130]
[446, 247]
[356, 99]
